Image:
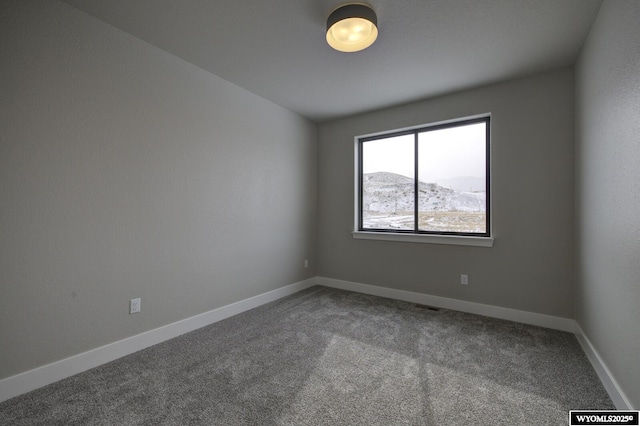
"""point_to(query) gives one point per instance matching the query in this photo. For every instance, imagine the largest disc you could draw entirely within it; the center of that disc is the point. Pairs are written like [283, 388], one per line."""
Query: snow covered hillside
[385, 192]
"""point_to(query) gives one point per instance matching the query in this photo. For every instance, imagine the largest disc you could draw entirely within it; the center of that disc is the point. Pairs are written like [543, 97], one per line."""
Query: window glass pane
[388, 198]
[452, 179]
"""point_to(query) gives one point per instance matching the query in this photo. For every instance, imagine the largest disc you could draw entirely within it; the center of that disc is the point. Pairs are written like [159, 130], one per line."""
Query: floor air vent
[429, 308]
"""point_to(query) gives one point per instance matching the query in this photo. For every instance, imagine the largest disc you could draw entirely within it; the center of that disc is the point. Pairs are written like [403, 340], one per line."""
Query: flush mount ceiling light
[352, 27]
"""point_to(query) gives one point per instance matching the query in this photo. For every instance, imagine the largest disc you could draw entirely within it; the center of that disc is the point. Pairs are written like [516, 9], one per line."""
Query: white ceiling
[277, 50]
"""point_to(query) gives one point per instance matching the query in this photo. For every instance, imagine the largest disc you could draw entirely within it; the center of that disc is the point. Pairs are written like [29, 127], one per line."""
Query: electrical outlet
[464, 279]
[134, 307]
[306, 263]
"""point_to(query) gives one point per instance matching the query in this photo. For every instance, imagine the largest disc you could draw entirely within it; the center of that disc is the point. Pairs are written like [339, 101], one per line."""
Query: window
[428, 180]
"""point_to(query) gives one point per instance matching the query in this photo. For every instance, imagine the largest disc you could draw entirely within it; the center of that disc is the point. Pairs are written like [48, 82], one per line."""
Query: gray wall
[530, 265]
[126, 172]
[608, 191]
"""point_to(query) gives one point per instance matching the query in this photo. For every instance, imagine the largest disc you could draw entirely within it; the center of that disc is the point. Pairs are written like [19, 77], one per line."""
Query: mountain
[386, 192]
[464, 183]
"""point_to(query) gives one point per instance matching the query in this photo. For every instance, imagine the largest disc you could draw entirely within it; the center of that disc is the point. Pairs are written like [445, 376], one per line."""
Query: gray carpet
[329, 357]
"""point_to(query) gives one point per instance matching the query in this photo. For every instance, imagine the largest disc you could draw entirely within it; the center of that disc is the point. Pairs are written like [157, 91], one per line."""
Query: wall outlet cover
[134, 306]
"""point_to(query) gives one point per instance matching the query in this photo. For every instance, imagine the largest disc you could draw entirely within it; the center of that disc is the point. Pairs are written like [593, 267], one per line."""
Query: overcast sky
[443, 154]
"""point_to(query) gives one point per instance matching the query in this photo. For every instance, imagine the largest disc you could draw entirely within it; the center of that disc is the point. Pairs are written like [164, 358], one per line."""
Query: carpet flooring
[331, 357]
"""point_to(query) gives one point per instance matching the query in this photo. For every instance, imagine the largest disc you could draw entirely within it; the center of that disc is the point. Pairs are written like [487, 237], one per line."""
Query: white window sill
[425, 239]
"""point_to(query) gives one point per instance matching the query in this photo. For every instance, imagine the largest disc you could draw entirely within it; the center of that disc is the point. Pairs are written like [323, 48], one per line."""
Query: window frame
[416, 235]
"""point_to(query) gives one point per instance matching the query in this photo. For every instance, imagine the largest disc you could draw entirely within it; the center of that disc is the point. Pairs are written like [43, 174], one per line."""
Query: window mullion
[415, 183]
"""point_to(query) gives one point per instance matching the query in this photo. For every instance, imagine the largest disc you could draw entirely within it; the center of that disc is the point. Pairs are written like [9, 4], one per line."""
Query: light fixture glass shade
[352, 28]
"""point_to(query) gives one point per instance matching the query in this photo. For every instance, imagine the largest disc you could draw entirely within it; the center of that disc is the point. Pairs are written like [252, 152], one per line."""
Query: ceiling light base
[352, 27]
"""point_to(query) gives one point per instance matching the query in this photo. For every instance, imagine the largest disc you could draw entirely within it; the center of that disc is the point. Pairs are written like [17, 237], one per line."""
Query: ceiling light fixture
[352, 27]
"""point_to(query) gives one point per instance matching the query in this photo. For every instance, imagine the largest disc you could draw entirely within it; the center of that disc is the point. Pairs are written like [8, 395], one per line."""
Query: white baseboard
[548, 321]
[50, 373]
[608, 381]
